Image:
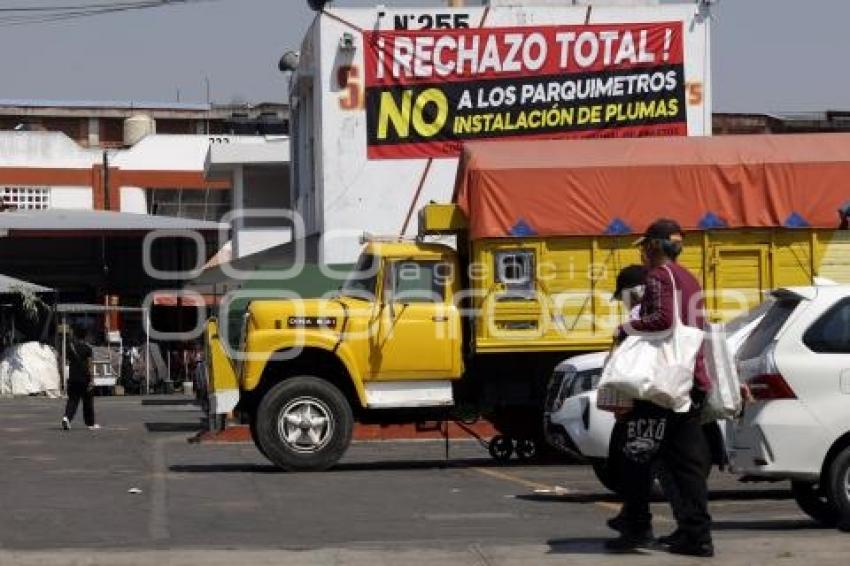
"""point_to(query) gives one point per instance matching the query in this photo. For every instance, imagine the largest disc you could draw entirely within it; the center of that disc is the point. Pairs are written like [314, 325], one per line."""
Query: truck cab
[389, 339]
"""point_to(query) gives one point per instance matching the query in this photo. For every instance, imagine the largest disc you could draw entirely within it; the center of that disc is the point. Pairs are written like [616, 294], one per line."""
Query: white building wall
[55, 150]
[166, 152]
[44, 149]
[133, 199]
[78, 198]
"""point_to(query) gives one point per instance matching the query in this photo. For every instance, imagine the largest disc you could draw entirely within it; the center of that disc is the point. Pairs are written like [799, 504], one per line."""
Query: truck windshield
[362, 282]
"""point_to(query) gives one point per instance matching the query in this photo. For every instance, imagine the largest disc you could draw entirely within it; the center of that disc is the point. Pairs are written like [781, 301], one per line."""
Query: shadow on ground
[586, 545]
[344, 467]
[167, 402]
[173, 427]
[607, 497]
[769, 525]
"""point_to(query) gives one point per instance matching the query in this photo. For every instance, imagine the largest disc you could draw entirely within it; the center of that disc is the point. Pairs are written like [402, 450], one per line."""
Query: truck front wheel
[304, 424]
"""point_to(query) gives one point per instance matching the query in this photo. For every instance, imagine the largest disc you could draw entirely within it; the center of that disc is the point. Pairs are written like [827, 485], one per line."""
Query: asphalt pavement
[136, 492]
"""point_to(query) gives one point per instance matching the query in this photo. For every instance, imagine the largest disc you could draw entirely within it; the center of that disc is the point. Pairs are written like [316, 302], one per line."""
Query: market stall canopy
[59, 223]
[619, 186]
[11, 285]
[85, 308]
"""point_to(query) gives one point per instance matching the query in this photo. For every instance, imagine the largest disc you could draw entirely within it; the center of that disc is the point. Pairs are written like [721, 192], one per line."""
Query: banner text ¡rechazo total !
[427, 91]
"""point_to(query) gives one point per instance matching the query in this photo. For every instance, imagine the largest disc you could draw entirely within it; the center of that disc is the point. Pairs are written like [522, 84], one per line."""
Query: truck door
[419, 333]
[741, 278]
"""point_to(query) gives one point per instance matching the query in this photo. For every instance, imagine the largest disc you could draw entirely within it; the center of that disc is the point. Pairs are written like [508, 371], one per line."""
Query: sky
[767, 55]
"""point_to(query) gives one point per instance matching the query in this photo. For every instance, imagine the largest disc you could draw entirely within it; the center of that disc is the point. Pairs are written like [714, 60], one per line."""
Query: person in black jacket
[80, 384]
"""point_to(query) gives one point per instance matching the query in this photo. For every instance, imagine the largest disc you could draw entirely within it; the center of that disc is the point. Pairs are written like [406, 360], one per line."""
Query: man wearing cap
[657, 434]
[844, 216]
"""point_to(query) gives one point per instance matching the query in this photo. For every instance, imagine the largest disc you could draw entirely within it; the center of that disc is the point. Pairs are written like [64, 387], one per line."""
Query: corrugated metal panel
[100, 104]
[64, 220]
[10, 284]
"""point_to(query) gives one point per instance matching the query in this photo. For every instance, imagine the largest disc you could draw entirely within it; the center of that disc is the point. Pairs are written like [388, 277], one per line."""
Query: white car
[797, 366]
[573, 424]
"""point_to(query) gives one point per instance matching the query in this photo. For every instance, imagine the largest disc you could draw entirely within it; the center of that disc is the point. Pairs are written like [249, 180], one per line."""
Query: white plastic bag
[29, 368]
[724, 401]
[657, 367]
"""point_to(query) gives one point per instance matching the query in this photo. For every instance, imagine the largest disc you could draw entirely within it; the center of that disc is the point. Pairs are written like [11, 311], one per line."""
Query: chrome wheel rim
[305, 425]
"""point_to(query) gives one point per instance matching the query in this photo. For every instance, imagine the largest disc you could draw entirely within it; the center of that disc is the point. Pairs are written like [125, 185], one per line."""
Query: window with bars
[25, 198]
[198, 204]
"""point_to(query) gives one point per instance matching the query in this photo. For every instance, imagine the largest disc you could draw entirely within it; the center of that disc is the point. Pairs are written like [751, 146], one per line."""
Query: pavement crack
[478, 552]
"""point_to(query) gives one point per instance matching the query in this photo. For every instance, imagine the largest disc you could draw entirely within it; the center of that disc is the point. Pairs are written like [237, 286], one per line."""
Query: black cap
[662, 229]
[845, 209]
[630, 276]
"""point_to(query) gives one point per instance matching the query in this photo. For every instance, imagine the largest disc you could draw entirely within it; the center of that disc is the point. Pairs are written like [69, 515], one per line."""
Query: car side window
[830, 334]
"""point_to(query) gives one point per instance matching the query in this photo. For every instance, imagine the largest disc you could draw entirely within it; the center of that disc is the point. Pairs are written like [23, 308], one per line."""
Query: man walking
[80, 385]
[655, 434]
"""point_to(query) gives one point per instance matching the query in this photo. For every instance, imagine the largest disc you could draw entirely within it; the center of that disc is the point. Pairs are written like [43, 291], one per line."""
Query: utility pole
[107, 203]
[209, 107]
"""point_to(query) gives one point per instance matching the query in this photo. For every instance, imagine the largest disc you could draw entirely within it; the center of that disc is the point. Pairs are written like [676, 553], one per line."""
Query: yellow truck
[422, 329]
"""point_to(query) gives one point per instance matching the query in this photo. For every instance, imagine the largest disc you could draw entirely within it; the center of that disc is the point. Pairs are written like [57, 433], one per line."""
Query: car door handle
[439, 318]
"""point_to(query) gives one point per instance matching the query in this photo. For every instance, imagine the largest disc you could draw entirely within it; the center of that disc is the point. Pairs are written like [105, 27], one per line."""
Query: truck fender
[223, 387]
[263, 345]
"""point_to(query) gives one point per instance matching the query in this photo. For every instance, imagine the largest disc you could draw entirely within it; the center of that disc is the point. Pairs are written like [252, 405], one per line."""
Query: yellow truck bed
[566, 304]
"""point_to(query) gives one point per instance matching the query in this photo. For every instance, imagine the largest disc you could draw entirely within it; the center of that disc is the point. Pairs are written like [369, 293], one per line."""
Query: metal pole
[107, 203]
[146, 314]
[64, 353]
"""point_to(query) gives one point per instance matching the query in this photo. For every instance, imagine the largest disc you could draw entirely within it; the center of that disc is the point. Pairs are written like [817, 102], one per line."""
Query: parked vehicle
[797, 365]
[574, 425]
[422, 327]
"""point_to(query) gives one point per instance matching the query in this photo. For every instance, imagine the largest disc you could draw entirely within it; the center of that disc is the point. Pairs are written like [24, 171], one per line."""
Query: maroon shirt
[656, 309]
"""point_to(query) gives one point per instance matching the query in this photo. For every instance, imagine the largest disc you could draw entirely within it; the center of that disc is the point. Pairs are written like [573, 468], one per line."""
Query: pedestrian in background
[844, 216]
[80, 383]
[656, 434]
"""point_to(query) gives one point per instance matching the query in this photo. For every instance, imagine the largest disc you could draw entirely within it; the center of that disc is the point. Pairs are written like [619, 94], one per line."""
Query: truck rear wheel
[304, 424]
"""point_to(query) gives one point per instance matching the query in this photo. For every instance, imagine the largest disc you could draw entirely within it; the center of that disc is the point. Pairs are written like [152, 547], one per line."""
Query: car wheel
[813, 501]
[839, 488]
[304, 424]
[501, 448]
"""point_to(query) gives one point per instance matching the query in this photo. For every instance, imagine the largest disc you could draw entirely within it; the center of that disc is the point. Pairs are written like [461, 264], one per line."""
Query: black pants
[616, 462]
[676, 441]
[76, 392]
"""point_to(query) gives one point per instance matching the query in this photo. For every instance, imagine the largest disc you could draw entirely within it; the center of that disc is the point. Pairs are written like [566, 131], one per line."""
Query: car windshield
[363, 280]
[767, 329]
